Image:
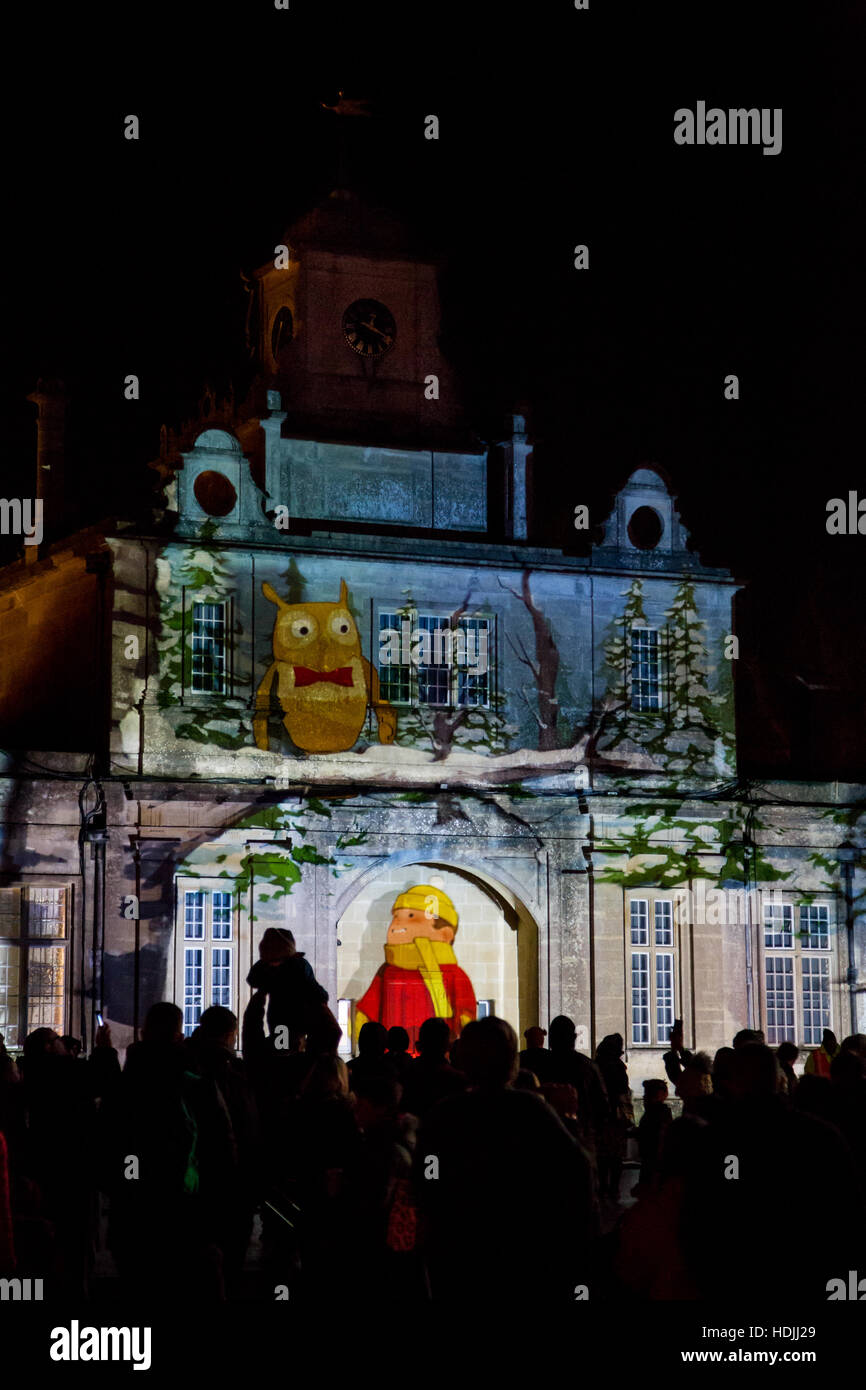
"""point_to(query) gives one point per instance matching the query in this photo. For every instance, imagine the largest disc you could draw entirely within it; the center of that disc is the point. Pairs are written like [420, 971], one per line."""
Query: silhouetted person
[432, 1077]
[652, 1129]
[620, 1114]
[285, 975]
[398, 1053]
[372, 1059]
[59, 1148]
[746, 1036]
[848, 1080]
[175, 1167]
[323, 1159]
[773, 1144]
[724, 1063]
[211, 1054]
[386, 1230]
[502, 1185]
[695, 1086]
[786, 1055]
[678, 1055]
[574, 1069]
[526, 1080]
[818, 1062]
[535, 1056]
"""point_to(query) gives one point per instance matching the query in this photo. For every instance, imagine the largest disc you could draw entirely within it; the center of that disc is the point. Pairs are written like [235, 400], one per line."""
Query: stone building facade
[333, 665]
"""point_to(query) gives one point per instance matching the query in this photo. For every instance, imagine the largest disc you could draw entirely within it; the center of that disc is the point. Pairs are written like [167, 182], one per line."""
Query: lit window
[816, 998]
[640, 997]
[434, 677]
[193, 988]
[32, 976]
[778, 925]
[779, 973]
[423, 661]
[205, 970]
[664, 995]
[664, 922]
[193, 920]
[395, 683]
[797, 999]
[221, 976]
[222, 916]
[645, 669]
[473, 662]
[814, 927]
[209, 648]
[653, 971]
[639, 927]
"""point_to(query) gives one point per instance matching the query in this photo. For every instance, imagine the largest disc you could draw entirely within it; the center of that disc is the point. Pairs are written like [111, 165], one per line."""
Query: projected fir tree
[201, 577]
[691, 732]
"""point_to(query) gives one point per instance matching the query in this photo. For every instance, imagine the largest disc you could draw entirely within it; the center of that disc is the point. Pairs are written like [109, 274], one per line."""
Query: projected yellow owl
[324, 683]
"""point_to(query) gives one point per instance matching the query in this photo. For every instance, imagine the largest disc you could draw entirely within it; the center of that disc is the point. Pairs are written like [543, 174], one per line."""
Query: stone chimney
[516, 451]
[51, 401]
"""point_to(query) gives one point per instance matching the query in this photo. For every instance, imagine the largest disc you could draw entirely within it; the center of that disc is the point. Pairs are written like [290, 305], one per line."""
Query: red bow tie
[343, 676]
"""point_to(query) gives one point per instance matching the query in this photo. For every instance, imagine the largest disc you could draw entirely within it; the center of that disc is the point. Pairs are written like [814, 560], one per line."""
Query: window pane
[222, 916]
[193, 987]
[46, 911]
[395, 683]
[13, 1034]
[816, 998]
[640, 1004]
[664, 922]
[639, 922]
[434, 676]
[10, 912]
[645, 669]
[193, 916]
[778, 926]
[45, 981]
[664, 995]
[208, 647]
[814, 927]
[221, 976]
[780, 999]
[473, 662]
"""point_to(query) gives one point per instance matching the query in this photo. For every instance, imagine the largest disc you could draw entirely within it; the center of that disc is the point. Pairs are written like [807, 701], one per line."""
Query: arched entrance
[496, 943]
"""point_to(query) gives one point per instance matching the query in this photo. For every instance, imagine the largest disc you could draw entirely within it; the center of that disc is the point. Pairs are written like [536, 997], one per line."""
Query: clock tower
[345, 325]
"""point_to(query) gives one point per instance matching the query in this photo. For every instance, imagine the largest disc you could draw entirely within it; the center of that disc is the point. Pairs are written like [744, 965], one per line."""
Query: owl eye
[303, 627]
[341, 625]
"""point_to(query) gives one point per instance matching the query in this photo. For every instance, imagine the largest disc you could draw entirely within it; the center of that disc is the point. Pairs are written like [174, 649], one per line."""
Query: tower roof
[345, 223]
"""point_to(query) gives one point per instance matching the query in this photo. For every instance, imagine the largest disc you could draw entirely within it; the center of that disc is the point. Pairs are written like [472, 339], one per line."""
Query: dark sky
[556, 128]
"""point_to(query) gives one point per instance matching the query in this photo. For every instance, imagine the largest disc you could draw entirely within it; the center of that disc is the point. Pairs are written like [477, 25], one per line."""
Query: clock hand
[386, 336]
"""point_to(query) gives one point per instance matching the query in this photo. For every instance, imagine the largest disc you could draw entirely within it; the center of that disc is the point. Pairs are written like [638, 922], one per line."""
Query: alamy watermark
[722, 907]
[22, 518]
[439, 646]
[736, 126]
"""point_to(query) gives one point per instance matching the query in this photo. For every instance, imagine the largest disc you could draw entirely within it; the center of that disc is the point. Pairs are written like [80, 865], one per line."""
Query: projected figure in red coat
[420, 978]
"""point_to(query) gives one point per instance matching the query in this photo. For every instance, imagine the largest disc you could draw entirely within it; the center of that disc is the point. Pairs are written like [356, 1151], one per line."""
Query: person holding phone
[678, 1058]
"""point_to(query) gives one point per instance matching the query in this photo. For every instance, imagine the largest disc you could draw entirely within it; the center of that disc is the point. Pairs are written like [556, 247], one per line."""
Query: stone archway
[496, 942]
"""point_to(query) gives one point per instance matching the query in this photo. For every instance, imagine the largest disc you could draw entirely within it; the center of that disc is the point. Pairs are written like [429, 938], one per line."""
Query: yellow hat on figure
[431, 901]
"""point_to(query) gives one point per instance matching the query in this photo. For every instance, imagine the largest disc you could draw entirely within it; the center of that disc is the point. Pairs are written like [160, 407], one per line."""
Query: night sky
[556, 127]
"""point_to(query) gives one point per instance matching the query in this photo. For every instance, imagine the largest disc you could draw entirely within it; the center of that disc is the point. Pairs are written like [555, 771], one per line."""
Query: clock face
[369, 328]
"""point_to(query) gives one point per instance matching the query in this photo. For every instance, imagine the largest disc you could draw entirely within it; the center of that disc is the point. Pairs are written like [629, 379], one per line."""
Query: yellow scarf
[428, 957]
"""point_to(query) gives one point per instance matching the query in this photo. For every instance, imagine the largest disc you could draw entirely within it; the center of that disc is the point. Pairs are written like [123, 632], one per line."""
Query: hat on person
[424, 898]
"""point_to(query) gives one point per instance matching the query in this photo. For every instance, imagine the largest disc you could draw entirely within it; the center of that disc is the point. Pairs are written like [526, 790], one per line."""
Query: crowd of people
[469, 1169]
